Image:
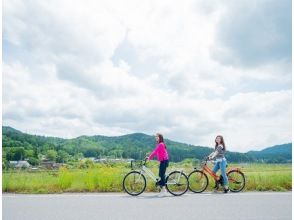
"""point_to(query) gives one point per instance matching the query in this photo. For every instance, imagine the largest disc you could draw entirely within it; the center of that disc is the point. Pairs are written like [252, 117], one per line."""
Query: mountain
[273, 154]
[19, 145]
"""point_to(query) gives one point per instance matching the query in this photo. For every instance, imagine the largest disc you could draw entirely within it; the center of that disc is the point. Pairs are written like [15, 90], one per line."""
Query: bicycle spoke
[134, 183]
[197, 181]
[236, 181]
[177, 183]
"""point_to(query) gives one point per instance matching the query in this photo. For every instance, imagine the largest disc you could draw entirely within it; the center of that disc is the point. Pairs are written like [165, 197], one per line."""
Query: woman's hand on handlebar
[146, 156]
[209, 158]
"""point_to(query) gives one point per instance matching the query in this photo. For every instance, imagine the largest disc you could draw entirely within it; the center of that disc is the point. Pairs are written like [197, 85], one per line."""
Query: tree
[15, 153]
[78, 156]
[62, 156]
[48, 146]
[34, 161]
[29, 153]
[5, 164]
[51, 155]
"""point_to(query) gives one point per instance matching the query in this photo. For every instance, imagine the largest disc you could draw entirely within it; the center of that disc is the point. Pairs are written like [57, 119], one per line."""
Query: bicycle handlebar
[142, 162]
[205, 160]
[145, 160]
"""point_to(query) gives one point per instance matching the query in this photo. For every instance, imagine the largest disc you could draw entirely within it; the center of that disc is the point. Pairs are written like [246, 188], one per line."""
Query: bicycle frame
[206, 169]
[149, 173]
[135, 182]
[144, 169]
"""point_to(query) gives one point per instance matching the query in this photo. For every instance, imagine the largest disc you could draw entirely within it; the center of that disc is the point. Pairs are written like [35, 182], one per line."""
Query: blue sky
[190, 70]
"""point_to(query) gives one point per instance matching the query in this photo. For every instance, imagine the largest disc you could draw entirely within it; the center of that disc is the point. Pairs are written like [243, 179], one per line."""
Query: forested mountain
[18, 146]
[273, 154]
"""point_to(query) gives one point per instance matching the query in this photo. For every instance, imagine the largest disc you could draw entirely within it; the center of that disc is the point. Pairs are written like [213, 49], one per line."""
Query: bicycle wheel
[236, 181]
[134, 183]
[177, 183]
[198, 181]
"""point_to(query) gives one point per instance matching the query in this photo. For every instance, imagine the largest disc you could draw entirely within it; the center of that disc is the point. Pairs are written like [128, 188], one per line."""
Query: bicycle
[198, 180]
[134, 182]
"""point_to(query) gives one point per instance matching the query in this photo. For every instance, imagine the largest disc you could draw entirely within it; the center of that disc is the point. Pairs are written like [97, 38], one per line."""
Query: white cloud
[252, 33]
[112, 67]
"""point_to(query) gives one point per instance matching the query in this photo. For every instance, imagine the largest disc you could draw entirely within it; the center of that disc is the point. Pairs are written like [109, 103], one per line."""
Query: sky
[190, 69]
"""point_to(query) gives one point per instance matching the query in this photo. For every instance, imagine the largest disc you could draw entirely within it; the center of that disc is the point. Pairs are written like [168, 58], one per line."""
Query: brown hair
[222, 142]
[160, 138]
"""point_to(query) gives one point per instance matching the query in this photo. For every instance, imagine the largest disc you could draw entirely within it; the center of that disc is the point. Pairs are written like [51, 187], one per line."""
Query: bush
[84, 164]
[34, 161]
[65, 178]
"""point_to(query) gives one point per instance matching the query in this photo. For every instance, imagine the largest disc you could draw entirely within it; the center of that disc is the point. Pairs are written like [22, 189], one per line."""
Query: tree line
[20, 146]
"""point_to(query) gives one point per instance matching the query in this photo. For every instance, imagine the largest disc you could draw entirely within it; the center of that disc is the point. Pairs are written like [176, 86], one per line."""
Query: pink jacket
[160, 151]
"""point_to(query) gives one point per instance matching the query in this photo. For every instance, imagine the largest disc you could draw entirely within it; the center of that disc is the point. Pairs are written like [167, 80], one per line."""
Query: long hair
[222, 142]
[160, 136]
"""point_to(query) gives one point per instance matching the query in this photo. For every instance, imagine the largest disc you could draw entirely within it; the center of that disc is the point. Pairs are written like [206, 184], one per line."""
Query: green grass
[261, 177]
[268, 177]
[108, 178]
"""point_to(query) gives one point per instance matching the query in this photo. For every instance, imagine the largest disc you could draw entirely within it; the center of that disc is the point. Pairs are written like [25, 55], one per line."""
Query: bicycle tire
[125, 181]
[184, 187]
[243, 180]
[205, 179]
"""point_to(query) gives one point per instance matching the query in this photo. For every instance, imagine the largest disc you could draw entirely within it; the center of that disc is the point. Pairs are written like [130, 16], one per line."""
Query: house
[19, 164]
[111, 160]
[50, 164]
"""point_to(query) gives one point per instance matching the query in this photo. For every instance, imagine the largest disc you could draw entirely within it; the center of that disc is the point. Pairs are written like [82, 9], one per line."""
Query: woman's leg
[162, 170]
[216, 167]
[214, 170]
[223, 165]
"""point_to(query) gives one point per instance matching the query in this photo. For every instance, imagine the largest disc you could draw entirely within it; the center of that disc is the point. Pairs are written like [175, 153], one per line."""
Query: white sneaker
[162, 193]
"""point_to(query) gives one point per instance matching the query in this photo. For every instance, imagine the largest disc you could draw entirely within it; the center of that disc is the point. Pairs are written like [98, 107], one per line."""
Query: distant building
[110, 160]
[88, 159]
[91, 158]
[50, 164]
[19, 164]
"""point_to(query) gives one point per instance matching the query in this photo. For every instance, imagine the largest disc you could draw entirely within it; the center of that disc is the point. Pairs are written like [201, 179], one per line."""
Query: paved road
[251, 205]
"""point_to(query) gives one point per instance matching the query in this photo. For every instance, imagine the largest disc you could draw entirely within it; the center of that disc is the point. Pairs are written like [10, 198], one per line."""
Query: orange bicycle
[198, 180]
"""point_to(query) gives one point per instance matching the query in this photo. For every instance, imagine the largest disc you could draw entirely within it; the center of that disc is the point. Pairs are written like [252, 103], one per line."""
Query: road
[82, 206]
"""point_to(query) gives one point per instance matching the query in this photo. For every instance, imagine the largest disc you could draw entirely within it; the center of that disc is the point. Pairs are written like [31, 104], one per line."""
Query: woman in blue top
[221, 162]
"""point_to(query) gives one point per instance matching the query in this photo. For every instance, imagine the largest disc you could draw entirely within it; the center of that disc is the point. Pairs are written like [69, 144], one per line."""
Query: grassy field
[108, 178]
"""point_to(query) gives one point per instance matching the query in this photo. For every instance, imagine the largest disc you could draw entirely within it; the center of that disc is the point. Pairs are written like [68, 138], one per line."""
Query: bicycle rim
[134, 183]
[198, 181]
[236, 181]
[177, 183]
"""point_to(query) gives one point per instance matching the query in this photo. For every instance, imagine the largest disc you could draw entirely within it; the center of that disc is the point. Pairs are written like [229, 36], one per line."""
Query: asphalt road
[214, 206]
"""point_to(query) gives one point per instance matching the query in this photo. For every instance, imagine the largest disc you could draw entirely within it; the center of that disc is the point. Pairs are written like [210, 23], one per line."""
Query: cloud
[254, 33]
[116, 67]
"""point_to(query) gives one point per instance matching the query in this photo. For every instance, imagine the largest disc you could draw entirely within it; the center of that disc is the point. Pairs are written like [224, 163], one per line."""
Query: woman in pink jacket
[162, 156]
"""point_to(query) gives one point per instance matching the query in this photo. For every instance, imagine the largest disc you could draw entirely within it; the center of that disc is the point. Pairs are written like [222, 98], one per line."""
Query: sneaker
[226, 190]
[162, 193]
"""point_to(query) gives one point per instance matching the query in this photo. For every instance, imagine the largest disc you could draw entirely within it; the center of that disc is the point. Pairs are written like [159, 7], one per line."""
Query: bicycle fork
[179, 176]
[176, 180]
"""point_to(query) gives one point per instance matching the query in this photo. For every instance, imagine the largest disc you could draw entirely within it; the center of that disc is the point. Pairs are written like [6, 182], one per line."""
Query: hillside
[273, 154]
[17, 145]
